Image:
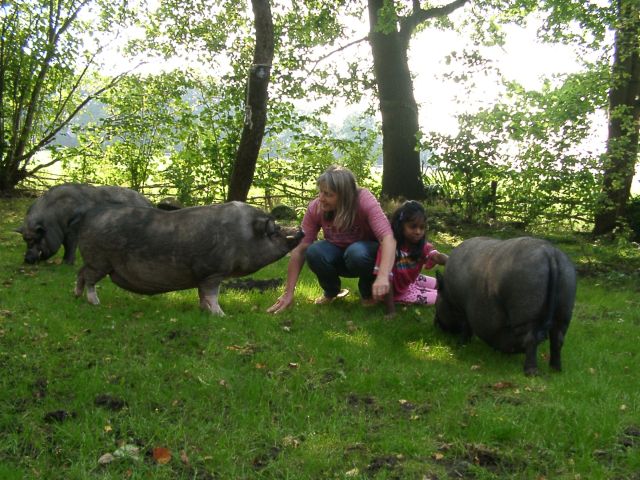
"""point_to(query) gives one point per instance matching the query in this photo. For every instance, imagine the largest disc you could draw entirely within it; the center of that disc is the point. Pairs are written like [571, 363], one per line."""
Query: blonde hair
[342, 182]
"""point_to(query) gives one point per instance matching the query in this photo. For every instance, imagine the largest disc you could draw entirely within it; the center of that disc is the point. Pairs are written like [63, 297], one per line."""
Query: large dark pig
[154, 251]
[47, 224]
[513, 294]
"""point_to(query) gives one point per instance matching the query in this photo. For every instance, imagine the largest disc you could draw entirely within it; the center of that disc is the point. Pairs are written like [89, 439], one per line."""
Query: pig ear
[264, 226]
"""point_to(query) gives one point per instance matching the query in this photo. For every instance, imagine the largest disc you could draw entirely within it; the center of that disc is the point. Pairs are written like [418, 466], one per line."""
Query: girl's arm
[440, 258]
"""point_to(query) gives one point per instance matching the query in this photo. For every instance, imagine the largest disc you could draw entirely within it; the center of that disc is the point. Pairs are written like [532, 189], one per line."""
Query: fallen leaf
[502, 385]
[475, 367]
[128, 451]
[352, 473]
[438, 456]
[247, 349]
[290, 441]
[184, 458]
[293, 365]
[106, 458]
[162, 455]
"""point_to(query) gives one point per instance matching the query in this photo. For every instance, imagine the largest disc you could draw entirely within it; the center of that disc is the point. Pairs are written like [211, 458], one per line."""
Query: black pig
[513, 294]
[47, 224]
[153, 251]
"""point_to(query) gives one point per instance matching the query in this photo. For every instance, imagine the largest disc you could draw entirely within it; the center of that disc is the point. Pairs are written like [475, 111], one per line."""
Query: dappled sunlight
[446, 238]
[423, 351]
[358, 337]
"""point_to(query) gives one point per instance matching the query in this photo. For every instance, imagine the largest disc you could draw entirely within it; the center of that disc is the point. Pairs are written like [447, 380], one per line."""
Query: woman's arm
[296, 262]
[387, 258]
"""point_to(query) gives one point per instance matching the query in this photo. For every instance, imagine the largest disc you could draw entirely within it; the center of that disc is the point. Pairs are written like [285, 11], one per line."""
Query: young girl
[413, 253]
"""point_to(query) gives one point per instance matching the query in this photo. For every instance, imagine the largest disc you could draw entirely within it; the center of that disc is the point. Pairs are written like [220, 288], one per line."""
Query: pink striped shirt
[370, 224]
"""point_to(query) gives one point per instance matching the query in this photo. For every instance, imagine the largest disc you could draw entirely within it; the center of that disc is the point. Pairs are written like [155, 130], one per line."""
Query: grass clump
[150, 387]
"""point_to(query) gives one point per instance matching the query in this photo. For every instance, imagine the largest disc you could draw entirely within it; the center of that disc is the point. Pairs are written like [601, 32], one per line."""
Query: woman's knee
[361, 255]
[321, 254]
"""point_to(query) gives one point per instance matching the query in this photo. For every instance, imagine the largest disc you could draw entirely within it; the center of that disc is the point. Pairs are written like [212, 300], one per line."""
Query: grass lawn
[151, 387]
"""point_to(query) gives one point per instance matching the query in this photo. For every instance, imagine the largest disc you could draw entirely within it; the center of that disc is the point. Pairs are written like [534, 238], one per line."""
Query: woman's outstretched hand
[284, 302]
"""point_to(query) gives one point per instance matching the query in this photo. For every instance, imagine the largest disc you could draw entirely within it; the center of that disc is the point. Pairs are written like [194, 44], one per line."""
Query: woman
[354, 226]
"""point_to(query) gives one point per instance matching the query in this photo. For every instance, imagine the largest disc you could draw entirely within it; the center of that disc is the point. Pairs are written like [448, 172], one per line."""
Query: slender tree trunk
[401, 175]
[624, 117]
[256, 104]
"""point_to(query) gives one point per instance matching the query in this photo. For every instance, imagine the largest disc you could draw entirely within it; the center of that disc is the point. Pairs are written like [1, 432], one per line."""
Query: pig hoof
[93, 299]
[531, 371]
[212, 308]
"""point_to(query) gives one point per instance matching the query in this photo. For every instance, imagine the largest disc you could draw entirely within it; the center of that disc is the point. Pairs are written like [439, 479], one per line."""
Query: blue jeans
[330, 262]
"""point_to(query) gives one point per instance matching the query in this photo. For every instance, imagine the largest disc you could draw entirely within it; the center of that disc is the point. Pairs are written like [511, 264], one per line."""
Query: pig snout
[32, 256]
[293, 238]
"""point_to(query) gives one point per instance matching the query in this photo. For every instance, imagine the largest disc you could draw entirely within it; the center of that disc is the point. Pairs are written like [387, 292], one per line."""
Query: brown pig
[152, 251]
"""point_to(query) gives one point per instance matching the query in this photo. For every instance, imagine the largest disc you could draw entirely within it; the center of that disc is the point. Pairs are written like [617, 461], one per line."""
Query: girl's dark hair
[408, 211]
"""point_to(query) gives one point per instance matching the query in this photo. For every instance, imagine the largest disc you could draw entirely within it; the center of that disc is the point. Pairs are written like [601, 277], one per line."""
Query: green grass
[313, 393]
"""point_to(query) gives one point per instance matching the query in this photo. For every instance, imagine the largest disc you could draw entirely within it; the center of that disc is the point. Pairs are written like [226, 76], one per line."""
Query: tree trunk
[256, 104]
[401, 175]
[624, 116]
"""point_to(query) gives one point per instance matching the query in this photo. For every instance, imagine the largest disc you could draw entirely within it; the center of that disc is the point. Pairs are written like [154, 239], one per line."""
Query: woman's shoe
[326, 300]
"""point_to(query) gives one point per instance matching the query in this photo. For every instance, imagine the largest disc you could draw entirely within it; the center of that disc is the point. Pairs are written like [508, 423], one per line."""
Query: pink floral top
[371, 223]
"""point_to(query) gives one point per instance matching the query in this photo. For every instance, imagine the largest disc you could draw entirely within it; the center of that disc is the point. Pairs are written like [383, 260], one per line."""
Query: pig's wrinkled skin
[153, 251]
[512, 294]
[48, 223]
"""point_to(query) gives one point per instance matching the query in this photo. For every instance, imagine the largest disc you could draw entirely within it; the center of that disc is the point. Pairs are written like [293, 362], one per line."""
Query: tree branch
[51, 135]
[419, 15]
[339, 49]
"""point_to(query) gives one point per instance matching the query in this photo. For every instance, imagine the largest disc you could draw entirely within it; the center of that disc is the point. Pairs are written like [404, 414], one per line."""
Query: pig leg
[530, 355]
[208, 293]
[556, 340]
[70, 244]
[88, 277]
[389, 303]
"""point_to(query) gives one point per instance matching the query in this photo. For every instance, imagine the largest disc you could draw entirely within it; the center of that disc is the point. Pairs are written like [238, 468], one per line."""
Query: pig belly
[503, 338]
[153, 278]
